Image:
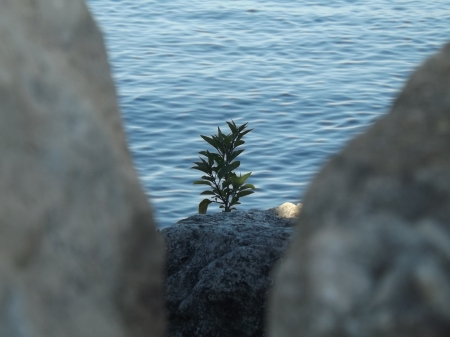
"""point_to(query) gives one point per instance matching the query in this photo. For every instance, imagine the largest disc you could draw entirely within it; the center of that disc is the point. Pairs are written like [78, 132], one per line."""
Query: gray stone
[371, 255]
[218, 272]
[79, 255]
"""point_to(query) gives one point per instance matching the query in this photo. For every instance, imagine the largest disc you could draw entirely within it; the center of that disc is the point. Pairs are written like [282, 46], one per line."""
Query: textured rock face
[372, 252]
[78, 252]
[218, 272]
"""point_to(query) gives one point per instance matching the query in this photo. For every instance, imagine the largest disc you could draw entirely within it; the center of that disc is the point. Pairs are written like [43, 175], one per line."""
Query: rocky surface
[372, 253]
[79, 255]
[288, 210]
[218, 272]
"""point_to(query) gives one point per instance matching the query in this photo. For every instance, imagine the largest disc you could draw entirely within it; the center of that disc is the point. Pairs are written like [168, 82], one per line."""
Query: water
[306, 75]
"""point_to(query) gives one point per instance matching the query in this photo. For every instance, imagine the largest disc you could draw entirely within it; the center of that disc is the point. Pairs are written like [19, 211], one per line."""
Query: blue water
[306, 75]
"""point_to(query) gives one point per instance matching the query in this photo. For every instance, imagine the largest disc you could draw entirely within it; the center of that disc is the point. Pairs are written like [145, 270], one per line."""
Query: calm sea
[306, 75]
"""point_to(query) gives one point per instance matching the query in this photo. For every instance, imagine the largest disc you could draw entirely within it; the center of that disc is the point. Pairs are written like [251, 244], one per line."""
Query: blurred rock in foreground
[218, 272]
[79, 255]
[372, 253]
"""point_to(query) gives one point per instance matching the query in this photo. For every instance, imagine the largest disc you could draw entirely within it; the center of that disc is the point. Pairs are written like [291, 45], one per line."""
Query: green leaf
[235, 154]
[246, 186]
[211, 141]
[228, 168]
[232, 126]
[208, 178]
[220, 134]
[221, 148]
[201, 167]
[217, 158]
[239, 143]
[244, 193]
[242, 127]
[234, 180]
[203, 206]
[219, 142]
[242, 134]
[225, 184]
[204, 161]
[243, 178]
[227, 141]
[208, 155]
[201, 182]
[207, 193]
[198, 164]
[228, 184]
[235, 203]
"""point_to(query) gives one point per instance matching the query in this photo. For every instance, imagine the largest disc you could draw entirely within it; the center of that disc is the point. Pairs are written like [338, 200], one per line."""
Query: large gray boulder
[79, 255]
[371, 256]
[218, 272]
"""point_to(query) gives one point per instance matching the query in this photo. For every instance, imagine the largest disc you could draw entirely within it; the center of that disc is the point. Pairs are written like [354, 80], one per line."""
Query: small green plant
[226, 187]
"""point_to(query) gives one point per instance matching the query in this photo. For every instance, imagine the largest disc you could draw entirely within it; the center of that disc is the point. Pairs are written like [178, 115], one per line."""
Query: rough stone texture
[78, 252]
[218, 272]
[288, 210]
[372, 253]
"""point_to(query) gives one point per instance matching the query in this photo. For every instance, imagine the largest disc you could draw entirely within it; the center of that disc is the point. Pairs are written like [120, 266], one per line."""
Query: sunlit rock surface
[288, 210]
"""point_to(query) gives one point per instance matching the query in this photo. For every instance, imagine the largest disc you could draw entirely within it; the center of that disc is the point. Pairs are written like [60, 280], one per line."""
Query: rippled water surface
[306, 75]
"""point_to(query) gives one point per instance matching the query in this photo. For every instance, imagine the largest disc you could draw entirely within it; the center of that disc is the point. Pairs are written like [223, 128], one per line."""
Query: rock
[218, 272]
[372, 252]
[79, 254]
[288, 210]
